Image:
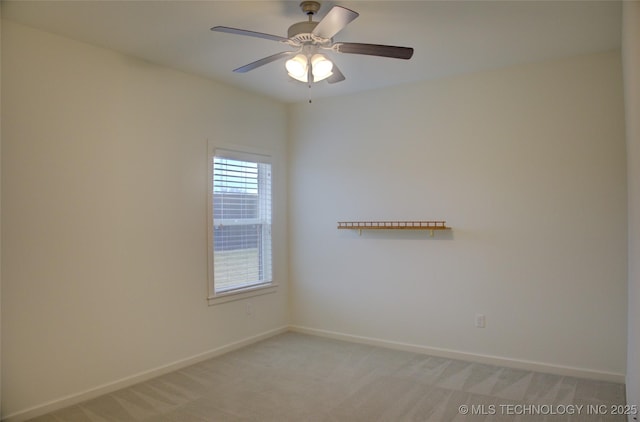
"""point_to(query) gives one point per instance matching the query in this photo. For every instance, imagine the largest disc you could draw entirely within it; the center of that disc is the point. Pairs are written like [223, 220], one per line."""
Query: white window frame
[242, 154]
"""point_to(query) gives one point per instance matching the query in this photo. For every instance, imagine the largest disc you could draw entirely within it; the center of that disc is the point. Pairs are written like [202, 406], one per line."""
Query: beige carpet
[296, 377]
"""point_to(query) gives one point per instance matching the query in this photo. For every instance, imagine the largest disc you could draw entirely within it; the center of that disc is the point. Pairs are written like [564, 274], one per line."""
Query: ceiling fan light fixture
[321, 67]
[297, 67]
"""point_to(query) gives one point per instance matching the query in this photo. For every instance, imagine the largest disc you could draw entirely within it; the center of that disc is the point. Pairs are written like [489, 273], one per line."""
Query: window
[240, 221]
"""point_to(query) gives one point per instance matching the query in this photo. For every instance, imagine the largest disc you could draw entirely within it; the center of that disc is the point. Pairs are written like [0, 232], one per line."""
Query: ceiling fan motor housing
[300, 28]
[301, 32]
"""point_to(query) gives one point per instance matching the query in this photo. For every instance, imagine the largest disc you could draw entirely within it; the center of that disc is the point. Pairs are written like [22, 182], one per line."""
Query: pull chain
[309, 76]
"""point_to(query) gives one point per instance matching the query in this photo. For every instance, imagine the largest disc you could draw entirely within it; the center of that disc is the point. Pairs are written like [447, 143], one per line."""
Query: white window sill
[241, 294]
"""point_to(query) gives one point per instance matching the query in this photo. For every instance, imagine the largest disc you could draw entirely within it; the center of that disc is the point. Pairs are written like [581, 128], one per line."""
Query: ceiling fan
[309, 39]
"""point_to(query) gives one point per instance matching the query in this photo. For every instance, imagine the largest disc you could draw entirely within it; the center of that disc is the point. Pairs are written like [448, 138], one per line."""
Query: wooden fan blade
[337, 76]
[375, 50]
[254, 34]
[334, 22]
[264, 61]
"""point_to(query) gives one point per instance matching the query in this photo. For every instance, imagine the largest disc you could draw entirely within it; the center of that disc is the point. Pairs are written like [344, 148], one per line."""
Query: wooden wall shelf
[393, 225]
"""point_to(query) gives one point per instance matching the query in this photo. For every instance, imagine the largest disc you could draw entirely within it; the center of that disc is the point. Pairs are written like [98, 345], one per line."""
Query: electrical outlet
[248, 309]
[481, 321]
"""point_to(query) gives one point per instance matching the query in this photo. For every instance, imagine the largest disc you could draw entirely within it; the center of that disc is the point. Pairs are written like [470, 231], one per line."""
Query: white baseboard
[472, 357]
[110, 387]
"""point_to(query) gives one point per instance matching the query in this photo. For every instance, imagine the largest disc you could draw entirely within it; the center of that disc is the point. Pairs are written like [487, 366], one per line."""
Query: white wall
[527, 164]
[631, 69]
[104, 242]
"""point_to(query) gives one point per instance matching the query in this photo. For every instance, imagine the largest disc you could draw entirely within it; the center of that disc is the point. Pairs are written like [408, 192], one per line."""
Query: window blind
[241, 222]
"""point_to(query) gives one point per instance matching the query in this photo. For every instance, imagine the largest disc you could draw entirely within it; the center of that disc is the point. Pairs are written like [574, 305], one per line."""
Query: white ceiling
[449, 37]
